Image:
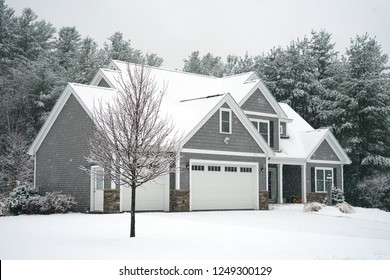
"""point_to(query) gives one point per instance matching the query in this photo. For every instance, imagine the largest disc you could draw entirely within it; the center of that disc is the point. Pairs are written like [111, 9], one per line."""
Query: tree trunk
[132, 219]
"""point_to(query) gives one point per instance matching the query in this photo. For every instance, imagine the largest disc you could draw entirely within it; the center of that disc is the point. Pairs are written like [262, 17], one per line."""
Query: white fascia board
[222, 153]
[90, 114]
[50, 120]
[260, 114]
[336, 147]
[288, 161]
[249, 126]
[206, 161]
[267, 95]
[100, 75]
[324, 161]
[241, 116]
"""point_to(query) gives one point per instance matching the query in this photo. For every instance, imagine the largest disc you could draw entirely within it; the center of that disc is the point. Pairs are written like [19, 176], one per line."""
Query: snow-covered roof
[180, 103]
[189, 100]
[303, 139]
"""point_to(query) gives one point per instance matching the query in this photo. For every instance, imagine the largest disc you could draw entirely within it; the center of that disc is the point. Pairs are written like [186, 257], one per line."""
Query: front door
[97, 188]
[272, 185]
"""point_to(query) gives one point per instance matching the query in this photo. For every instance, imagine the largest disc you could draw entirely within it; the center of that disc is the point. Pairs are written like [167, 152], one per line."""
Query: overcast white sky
[175, 28]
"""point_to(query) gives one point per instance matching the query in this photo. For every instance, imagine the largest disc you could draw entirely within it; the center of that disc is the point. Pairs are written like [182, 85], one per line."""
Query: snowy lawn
[285, 232]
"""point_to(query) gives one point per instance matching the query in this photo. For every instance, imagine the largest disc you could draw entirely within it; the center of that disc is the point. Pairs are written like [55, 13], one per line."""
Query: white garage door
[153, 196]
[223, 185]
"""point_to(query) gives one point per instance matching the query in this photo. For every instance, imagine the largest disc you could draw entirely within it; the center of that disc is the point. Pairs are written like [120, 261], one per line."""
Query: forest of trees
[348, 93]
[36, 63]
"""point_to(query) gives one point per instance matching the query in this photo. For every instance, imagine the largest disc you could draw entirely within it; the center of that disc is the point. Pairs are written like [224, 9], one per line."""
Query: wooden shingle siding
[103, 83]
[325, 152]
[208, 137]
[258, 103]
[62, 153]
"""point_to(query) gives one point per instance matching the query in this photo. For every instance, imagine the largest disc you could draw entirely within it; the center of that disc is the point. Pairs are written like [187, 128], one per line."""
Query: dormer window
[262, 127]
[225, 121]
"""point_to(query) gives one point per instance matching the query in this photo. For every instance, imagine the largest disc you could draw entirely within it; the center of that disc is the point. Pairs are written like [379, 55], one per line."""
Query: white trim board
[335, 145]
[260, 114]
[228, 99]
[50, 120]
[222, 153]
[268, 96]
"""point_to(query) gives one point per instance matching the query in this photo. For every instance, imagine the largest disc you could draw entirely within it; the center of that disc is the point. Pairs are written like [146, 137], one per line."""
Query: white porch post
[177, 173]
[303, 179]
[342, 178]
[280, 183]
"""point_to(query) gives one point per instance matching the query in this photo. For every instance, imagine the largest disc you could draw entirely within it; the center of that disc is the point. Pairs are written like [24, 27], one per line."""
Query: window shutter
[271, 134]
[335, 177]
[313, 178]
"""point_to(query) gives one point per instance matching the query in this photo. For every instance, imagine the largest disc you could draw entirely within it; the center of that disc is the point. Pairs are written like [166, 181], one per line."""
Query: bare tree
[133, 142]
[16, 166]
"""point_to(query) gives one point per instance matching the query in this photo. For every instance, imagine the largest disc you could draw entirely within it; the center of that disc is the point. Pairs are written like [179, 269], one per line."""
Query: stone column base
[315, 197]
[111, 201]
[179, 201]
[263, 200]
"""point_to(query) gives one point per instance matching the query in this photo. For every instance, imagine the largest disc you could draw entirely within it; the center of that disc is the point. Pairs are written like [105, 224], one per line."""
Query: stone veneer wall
[179, 201]
[315, 197]
[263, 200]
[111, 201]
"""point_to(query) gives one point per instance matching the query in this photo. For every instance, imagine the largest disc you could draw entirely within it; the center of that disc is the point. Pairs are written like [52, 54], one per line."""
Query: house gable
[324, 152]
[62, 152]
[208, 136]
[103, 83]
[258, 103]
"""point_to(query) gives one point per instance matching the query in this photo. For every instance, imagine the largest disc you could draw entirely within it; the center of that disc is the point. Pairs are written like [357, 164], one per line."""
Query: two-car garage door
[223, 185]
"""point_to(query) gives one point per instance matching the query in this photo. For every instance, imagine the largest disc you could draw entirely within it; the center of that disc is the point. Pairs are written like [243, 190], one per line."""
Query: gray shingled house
[241, 148]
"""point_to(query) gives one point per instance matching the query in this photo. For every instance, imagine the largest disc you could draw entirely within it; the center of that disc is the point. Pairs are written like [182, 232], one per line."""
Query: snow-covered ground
[285, 232]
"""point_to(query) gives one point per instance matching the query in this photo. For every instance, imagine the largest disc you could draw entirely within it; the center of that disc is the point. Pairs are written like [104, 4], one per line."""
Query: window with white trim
[225, 121]
[323, 179]
[262, 126]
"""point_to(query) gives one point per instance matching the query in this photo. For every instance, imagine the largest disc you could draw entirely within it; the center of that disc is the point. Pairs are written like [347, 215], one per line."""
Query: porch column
[177, 172]
[280, 183]
[342, 177]
[303, 180]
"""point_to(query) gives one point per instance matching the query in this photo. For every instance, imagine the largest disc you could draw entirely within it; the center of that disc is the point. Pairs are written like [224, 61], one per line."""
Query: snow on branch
[133, 142]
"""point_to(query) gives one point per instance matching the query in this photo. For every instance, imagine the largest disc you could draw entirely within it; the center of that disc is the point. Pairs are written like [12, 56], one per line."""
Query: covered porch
[287, 182]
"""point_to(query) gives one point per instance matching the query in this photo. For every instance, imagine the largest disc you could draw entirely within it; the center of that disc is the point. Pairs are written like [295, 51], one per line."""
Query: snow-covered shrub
[374, 192]
[56, 202]
[312, 207]
[345, 208]
[18, 199]
[337, 197]
[26, 200]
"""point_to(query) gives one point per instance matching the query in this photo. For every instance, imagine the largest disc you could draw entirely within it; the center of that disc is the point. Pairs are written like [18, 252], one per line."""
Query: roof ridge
[91, 86]
[239, 74]
[109, 70]
[170, 70]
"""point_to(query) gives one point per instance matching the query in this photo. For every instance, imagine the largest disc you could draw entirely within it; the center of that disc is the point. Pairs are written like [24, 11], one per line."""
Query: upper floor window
[323, 179]
[225, 120]
[262, 127]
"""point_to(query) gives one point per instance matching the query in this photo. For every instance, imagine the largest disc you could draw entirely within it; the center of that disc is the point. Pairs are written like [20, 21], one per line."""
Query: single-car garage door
[153, 196]
[223, 185]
